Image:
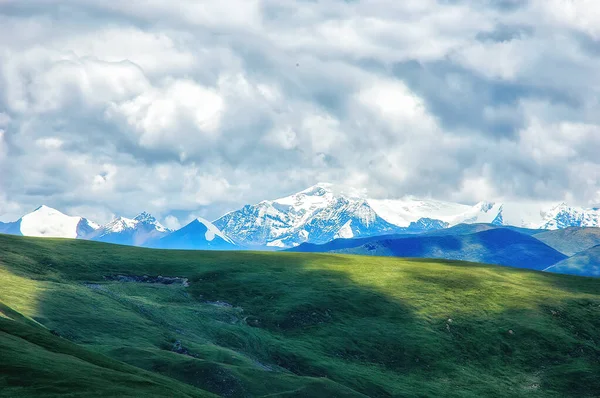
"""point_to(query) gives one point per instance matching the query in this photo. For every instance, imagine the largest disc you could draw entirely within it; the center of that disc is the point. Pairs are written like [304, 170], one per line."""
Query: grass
[297, 325]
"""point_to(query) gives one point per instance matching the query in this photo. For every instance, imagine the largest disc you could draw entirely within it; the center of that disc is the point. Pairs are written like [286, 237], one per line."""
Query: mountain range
[143, 230]
[324, 213]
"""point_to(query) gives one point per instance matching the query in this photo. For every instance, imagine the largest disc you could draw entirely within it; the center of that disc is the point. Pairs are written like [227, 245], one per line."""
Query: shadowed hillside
[461, 229]
[494, 246]
[37, 362]
[242, 324]
[586, 263]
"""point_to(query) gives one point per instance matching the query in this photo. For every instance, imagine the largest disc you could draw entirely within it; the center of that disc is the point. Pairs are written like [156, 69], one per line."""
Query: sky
[194, 108]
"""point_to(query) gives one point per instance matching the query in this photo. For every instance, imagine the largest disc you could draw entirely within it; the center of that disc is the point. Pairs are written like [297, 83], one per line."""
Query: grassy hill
[36, 362]
[585, 263]
[571, 240]
[494, 246]
[287, 324]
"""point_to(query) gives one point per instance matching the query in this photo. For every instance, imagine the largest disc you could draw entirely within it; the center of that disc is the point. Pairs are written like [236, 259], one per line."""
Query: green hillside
[287, 324]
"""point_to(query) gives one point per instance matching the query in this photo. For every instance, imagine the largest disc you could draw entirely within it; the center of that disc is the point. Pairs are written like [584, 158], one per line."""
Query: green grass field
[288, 324]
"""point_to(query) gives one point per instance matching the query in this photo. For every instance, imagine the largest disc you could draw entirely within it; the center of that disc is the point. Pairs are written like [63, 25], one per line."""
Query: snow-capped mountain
[403, 212]
[530, 215]
[518, 214]
[142, 230]
[200, 234]
[51, 223]
[318, 214]
[325, 212]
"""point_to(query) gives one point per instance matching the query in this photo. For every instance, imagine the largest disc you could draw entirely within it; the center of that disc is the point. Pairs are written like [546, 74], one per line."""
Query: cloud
[172, 222]
[196, 108]
[182, 115]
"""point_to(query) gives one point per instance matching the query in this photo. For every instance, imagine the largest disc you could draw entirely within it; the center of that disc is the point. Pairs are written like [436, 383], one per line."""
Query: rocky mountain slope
[143, 230]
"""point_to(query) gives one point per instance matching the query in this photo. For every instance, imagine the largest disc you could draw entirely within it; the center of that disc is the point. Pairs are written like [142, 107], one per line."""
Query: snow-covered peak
[119, 224]
[316, 214]
[312, 197]
[45, 209]
[326, 188]
[305, 204]
[212, 231]
[326, 211]
[402, 212]
[485, 206]
[48, 222]
[142, 230]
[147, 218]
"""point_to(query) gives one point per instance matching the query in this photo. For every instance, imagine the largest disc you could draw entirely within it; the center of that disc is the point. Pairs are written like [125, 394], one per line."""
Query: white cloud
[181, 114]
[502, 60]
[9, 210]
[284, 138]
[49, 143]
[154, 53]
[3, 150]
[393, 102]
[4, 119]
[172, 222]
[186, 108]
[582, 15]
[424, 30]
[39, 81]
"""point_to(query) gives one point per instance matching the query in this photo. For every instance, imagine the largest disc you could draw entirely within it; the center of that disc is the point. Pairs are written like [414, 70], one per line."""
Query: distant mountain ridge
[319, 214]
[499, 246]
[142, 230]
[325, 212]
[457, 230]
